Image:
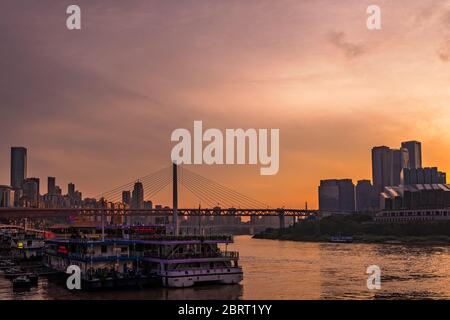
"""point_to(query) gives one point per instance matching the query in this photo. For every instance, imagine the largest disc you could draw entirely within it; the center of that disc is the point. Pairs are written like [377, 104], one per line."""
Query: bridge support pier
[282, 220]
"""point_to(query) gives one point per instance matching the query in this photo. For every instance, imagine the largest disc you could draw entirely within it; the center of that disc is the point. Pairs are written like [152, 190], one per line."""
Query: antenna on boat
[199, 220]
[103, 225]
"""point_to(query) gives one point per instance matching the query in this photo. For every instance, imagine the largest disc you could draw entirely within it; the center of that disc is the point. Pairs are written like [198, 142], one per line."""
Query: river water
[297, 270]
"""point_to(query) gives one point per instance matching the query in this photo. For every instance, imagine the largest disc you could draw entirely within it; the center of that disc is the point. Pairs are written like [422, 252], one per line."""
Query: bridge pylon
[175, 197]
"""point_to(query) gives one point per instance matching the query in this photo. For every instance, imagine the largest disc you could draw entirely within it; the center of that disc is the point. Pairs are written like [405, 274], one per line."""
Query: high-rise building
[442, 177]
[126, 197]
[138, 196]
[18, 166]
[17, 195]
[420, 175]
[400, 160]
[71, 190]
[364, 195]
[328, 195]
[427, 175]
[387, 166]
[31, 192]
[38, 184]
[148, 205]
[415, 153]
[337, 195]
[382, 167]
[51, 185]
[6, 197]
[346, 195]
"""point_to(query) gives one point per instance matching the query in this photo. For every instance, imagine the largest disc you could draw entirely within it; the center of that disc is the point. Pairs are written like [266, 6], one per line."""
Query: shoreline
[389, 240]
[362, 229]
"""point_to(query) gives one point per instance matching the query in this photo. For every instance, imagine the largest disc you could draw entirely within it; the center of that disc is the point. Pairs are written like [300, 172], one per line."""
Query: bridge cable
[201, 188]
[128, 185]
[201, 197]
[225, 191]
[146, 182]
[196, 189]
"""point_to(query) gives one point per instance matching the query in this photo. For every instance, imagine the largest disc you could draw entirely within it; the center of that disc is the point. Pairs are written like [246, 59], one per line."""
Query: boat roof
[164, 240]
[95, 225]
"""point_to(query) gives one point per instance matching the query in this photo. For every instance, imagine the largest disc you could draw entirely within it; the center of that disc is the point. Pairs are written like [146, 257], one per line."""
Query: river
[298, 270]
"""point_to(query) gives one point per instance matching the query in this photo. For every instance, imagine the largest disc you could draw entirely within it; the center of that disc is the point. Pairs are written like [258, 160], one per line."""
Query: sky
[97, 106]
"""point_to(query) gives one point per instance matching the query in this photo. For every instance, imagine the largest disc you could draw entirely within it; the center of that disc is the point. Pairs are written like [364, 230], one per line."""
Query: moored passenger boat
[142, 255]
[27, 247]
[187, 260]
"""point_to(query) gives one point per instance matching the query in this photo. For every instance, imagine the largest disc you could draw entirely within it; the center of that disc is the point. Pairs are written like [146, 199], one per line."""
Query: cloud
[97, 107]
[436, 15]
[444, 51]
[351, 50]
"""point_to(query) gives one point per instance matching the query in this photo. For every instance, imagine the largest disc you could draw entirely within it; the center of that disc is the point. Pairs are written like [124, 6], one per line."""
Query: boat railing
[202, 270]
[226, 254]
[186, 237]
[150, 238]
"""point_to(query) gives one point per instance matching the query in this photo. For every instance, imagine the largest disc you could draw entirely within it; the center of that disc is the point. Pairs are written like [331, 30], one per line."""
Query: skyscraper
[337, 195]
[346, 195]
[415, 153]
[400, 161]
[6, 197]
[38, 183]
[126, 197]
[31, 192]
[51, 185]
[18, 166]
[364, 191]
[71, 190]
[387, 166]
[328, 195]
[382, 167]
[138, 196]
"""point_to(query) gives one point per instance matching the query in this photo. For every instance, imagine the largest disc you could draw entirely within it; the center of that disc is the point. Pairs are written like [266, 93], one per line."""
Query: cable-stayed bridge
[220, 201]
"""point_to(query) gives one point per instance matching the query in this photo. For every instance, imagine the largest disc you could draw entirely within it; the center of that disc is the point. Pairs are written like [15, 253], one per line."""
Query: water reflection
[294, 270]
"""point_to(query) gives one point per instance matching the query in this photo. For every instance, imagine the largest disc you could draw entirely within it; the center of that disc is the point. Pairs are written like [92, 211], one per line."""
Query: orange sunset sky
[97, 106]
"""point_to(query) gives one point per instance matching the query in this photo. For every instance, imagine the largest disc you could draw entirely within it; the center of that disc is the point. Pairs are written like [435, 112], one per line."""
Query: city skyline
[390, 168]
[92, 115]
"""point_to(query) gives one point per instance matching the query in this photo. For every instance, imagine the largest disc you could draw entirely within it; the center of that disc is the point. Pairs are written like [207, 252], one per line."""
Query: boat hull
[183, 279]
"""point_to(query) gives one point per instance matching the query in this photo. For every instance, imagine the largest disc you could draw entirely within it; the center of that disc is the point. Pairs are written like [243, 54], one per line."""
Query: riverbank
[439, 240]
[362, 229]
